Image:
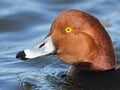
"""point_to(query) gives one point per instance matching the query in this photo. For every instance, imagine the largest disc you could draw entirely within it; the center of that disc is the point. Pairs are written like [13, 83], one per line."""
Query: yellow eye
[68, 29]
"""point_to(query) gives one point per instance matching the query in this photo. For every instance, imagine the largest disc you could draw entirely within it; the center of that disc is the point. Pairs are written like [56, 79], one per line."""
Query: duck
[79, 39]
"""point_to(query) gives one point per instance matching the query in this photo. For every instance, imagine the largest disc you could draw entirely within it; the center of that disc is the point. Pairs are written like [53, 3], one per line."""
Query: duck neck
[104, 62]
[104, 59]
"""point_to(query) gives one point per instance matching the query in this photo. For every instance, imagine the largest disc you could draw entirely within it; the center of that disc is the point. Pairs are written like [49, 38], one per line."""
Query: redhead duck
[79, 39]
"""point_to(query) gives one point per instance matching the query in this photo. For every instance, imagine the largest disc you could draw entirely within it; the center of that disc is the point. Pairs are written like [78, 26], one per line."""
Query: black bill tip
[21, 55]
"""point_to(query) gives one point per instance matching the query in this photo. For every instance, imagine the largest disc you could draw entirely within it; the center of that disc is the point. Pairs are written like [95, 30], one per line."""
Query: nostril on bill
[42, 45]
[21, 55]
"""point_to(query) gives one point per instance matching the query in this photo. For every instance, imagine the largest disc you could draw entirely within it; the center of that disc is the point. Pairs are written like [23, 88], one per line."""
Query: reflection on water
[25, 21]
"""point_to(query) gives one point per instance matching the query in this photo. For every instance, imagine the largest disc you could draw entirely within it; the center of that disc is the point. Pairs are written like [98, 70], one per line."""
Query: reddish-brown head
[82, 41]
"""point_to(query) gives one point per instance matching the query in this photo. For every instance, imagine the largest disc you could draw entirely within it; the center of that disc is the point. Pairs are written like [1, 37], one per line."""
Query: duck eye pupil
[68, 29]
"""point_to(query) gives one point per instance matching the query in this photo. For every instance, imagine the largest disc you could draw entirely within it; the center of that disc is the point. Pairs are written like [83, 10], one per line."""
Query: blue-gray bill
[46, 47]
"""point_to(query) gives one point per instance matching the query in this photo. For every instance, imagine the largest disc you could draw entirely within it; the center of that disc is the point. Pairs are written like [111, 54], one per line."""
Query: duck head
[77, 38]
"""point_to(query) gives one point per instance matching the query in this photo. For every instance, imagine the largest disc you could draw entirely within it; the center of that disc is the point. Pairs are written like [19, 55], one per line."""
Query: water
[24, 23]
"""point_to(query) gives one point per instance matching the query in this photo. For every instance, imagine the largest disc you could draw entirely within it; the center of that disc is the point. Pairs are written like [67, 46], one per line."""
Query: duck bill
[46, 47]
